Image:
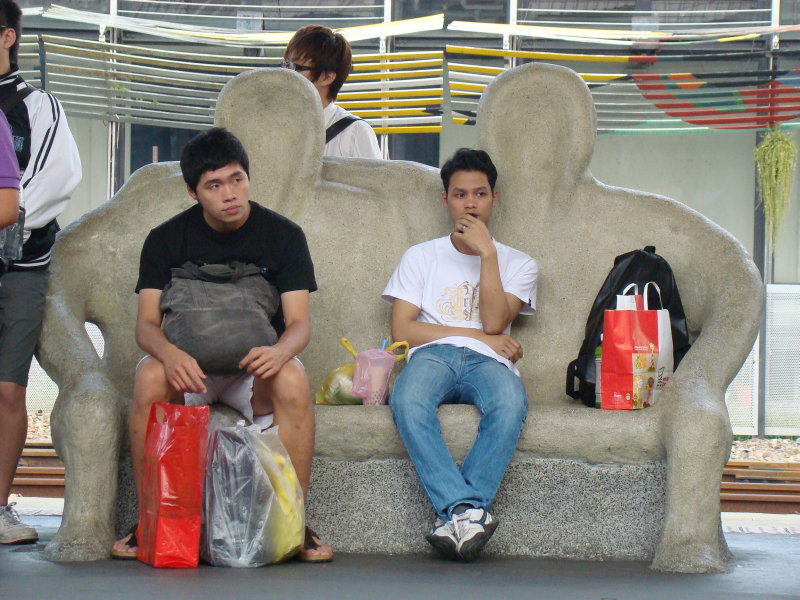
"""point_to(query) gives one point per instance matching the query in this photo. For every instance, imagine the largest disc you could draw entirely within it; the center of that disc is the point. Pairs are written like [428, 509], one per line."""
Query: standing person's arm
[366, 141]
[9, 177]
[9, 206]
[54, 169]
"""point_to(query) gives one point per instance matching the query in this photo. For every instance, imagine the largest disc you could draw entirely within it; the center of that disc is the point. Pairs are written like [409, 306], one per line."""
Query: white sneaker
[12, 530]
[473, 528]
[443, 538]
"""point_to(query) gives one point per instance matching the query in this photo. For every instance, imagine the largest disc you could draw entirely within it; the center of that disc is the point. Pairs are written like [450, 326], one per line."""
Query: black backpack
[639, 267]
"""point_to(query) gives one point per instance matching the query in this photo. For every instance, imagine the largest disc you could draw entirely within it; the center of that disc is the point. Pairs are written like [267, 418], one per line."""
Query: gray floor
[765, 566]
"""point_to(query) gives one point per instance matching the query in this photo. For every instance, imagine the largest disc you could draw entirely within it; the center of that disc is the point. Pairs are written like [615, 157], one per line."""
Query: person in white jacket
[50, 170]
[324, 58]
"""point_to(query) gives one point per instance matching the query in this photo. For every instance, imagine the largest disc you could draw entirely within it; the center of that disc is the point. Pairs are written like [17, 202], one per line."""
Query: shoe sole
[472, 547]
[443, 546]
[29, 540]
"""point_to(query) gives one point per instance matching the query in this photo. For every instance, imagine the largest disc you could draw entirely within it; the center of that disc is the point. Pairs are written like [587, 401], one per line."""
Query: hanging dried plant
[776, 159]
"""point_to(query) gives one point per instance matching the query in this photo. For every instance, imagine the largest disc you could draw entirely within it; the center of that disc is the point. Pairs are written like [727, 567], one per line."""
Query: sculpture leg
[698, 438]
[87, 425]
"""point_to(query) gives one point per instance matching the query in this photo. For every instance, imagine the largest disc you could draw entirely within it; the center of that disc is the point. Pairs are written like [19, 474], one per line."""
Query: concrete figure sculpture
[587, 484]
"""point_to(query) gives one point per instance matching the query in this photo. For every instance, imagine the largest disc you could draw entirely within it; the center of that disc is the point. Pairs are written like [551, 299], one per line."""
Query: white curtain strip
[232, 37]
[619, 37]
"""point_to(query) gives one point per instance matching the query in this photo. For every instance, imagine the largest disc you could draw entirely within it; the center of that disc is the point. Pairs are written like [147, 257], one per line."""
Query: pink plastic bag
[373, 368]
[371, 378]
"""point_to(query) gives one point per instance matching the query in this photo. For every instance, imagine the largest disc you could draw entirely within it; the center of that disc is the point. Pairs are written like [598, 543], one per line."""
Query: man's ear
[494, 198]
[9, 37]
[192, 193]
[326, 78]
[444, 198]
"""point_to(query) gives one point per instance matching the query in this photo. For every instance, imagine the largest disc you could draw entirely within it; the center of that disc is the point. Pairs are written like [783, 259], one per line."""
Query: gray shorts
[234, 390]
[22, 296]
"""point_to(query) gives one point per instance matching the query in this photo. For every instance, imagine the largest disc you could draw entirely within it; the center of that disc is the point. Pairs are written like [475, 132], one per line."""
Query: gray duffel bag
[218, 313]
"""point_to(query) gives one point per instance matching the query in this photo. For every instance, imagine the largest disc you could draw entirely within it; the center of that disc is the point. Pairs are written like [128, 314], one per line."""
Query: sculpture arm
[65, 350]
[731, 303]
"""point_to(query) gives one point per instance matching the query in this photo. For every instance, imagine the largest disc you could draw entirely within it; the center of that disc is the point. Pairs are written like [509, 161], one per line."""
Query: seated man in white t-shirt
[324, 58]
[453, 299]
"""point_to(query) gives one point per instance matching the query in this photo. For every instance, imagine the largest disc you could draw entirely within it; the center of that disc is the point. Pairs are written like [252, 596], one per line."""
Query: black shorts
[22, 295]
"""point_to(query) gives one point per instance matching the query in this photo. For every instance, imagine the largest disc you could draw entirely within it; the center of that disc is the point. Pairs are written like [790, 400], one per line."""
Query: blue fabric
[442, 374]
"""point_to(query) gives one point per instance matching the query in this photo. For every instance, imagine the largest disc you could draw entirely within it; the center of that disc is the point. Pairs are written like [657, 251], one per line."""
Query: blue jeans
[443, 374]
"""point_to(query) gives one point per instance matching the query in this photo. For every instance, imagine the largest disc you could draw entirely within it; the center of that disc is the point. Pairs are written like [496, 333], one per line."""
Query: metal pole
[42, 63]
[762, 246]
[509, 42]
[761, 260]
[116, 131]
[384, 47]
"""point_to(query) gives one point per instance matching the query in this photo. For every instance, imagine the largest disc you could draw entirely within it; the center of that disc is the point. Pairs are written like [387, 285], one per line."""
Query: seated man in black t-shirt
[223, 227]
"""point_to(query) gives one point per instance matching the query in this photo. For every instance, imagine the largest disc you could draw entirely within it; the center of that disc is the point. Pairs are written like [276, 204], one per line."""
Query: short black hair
[11, 17]
[466, 159]
[326, 50]
[211, 150]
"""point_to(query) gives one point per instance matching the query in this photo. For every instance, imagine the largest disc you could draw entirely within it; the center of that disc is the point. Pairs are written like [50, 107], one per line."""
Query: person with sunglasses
[324, 58]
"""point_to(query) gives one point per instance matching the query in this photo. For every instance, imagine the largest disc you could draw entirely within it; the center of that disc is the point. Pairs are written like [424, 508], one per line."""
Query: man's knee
[12, 397]
[289, 388]
[151, 384]
[411, 403]
[507, 397]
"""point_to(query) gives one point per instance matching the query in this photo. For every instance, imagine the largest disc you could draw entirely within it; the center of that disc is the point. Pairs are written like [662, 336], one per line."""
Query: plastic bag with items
[349, 384]
[253, 504]
[172, 485]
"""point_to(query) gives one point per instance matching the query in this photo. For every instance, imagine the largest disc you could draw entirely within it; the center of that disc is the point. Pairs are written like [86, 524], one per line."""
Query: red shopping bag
[637, 357]
[172, 485]
[630, 355]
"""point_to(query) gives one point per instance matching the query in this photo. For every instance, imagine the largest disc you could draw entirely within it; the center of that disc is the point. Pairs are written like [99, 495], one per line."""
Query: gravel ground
[768, 450]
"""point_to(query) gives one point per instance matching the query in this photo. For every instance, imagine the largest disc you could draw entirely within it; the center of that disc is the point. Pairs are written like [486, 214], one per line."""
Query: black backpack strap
[572, 373]
[340, 125]
[9, 103]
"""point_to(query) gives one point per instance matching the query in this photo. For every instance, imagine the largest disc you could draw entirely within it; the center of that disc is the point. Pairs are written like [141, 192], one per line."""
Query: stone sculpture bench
[583, 484]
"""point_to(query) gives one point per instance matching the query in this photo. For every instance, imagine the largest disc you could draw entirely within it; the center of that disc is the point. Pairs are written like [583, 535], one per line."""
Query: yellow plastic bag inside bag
[338, 385]
[286, 532]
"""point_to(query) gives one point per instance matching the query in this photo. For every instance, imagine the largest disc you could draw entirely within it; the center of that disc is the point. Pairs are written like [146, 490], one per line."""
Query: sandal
[131, 545]
[313, 542]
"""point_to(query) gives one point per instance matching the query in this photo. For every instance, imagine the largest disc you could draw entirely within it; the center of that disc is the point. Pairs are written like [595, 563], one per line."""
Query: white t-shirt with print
[357, 140]
[444, 284]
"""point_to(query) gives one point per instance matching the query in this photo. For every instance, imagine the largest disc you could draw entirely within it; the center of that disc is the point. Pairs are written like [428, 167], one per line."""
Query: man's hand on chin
[474, 233]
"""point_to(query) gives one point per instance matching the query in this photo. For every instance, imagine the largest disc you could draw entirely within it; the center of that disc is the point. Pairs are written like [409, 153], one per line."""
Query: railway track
[40, 473]
[764, 487]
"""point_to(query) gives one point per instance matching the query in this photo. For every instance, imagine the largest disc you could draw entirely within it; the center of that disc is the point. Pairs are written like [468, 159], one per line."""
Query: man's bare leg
[288, 395]
[13, 430]
[150, 385]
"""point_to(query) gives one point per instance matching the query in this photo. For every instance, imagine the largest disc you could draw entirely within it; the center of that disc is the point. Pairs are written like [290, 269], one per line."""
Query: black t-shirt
[266, 239]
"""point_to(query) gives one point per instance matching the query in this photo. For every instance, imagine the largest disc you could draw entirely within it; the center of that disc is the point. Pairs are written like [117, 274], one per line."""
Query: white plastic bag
[253, 512]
